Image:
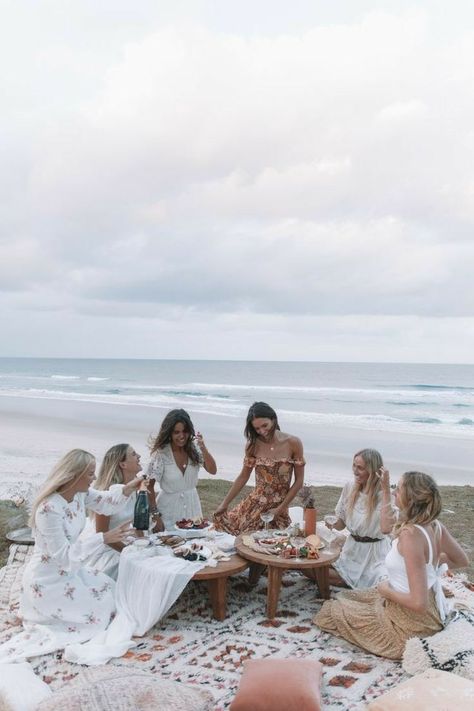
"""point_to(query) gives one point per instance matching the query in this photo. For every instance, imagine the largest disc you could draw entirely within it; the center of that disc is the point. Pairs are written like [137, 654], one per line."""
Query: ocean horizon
[418, 413]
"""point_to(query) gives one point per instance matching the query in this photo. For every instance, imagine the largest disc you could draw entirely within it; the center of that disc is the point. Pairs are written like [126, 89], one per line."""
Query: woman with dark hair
[177, 453]
[365, 509]
[411, 602]
[276, 457]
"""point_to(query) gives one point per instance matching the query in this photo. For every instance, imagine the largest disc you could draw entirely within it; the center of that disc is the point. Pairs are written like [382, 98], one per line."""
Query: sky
[245, 180]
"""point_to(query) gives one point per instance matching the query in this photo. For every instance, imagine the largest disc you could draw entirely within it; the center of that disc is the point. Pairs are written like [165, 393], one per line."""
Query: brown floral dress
[272, 483]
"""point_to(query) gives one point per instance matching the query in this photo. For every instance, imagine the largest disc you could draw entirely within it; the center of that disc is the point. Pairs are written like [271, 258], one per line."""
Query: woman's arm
[340, 510]
[102, 525]
[111, 501]
[208, 460]
[451, 552]
[236, 487]
[411, 546]
[387, 512]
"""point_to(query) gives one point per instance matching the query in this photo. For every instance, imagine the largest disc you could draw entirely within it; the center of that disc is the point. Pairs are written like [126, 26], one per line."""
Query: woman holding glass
[411, 601]
[365, 509]
[278, 461]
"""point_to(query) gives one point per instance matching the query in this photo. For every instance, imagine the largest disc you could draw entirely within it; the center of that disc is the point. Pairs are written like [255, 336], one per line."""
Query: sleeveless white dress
[382, 626]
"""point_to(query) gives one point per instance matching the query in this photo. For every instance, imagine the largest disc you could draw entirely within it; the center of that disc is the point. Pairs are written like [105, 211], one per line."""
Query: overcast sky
[237, 179]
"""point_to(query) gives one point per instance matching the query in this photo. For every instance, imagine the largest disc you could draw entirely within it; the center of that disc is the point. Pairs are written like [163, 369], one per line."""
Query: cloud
[319, 172]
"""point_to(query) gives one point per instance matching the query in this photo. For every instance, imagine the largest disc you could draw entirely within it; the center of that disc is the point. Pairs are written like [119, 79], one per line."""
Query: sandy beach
[35, 432]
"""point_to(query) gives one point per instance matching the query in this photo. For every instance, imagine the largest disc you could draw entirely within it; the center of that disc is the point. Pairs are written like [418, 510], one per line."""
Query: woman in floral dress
[276, 457]
[62, 601]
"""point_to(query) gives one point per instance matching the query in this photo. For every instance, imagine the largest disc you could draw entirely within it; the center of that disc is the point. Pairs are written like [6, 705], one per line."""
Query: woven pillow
[431, 691]
[119, 689]
[451, 650]
[279, 685]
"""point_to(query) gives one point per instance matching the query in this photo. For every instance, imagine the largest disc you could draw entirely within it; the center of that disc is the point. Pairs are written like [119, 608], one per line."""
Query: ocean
[332, 406]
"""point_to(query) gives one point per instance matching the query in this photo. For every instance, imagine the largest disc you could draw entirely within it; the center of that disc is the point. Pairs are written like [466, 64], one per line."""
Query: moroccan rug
[188, 645]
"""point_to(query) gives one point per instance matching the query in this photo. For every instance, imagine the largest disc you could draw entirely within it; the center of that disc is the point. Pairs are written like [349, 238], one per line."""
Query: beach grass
[457, 514]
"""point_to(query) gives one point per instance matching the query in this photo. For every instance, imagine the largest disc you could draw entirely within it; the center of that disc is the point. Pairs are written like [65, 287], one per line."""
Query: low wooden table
[317, 570]
[217, 582]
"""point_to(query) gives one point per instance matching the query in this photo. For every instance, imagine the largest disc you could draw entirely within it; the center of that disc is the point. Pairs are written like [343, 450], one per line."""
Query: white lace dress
[178, 497]
[361, 565]
[63, 601]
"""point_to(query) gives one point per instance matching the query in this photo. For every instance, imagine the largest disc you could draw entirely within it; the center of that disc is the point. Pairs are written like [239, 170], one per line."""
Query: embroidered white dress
[107, 559]
[361, 565]
[63, 601]
[178, 497]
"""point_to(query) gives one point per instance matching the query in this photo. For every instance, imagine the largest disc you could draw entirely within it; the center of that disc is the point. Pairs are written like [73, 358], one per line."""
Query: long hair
[420, 500]
[258, 409]
[163, 437]
[70, 468]
[373, 461]
[110, 471]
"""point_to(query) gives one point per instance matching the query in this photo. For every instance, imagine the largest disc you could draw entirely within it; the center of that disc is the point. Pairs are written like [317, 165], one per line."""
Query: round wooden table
[216, 579]
[317, 570]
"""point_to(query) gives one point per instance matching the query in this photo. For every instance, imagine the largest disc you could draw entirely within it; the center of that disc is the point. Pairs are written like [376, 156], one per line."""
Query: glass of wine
[266, 517]
[330, 520]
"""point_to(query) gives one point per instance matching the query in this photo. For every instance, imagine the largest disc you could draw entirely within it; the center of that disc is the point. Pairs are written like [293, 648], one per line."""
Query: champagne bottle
[141, 514]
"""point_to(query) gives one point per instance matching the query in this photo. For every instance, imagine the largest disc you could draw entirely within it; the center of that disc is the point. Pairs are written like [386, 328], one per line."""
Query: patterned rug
[188, 645]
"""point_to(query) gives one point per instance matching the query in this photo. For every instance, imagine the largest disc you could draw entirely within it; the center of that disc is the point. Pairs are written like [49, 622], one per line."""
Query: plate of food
[192, 552]
[193, 527]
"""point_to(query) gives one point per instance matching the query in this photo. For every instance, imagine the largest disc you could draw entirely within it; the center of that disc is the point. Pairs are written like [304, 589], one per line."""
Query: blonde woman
[120, 465]
[62, 601]
[411, 602]
[365, 509]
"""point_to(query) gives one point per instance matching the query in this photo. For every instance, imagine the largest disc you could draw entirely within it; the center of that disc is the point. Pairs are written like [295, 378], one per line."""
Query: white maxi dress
[63, 601]
[361, 565]
[178, 497]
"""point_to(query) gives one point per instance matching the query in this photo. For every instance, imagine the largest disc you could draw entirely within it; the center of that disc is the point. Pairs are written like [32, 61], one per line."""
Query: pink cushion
[279, 685]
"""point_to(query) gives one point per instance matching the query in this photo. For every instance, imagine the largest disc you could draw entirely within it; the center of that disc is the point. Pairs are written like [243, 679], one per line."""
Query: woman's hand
[221, 509]
[278, 511]
[384, 588]
[119, 534]
[134, 485]
[384, 476]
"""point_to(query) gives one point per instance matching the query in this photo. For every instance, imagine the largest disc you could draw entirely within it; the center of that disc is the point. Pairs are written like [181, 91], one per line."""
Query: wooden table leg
[274, 584]
[322, 578]
[218, 594]
[255, 572]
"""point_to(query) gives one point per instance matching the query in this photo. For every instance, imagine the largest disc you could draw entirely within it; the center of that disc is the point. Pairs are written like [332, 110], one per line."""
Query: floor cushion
[20, 688]
[433, 690]
[119, 689]
[450, 650]
[279, 685]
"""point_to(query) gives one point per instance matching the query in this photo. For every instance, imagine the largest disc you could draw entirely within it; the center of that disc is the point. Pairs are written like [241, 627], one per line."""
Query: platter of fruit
[193, 527]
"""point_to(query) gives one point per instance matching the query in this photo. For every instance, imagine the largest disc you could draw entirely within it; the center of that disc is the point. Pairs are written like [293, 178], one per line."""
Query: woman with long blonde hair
[364, 508]
[410, 602]
[62, 600]
[120, 465]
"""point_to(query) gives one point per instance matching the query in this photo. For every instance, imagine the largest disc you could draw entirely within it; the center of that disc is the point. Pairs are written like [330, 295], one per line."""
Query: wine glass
[266, 517]
[330, 520]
